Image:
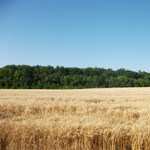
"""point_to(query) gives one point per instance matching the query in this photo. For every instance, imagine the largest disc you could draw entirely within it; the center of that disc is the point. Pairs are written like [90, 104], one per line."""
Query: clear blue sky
[76, 33]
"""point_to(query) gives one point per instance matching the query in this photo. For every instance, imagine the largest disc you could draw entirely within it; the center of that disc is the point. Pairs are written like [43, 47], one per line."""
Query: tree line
[49, 77]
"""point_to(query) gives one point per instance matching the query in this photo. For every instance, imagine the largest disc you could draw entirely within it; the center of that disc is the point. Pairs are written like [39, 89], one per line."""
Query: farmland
[81, 119]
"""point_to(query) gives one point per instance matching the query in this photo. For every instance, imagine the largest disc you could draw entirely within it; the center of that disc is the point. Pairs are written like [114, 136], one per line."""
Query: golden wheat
[98, 119]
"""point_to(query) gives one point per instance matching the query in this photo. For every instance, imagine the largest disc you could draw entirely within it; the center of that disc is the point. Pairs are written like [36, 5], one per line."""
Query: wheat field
[85, 119]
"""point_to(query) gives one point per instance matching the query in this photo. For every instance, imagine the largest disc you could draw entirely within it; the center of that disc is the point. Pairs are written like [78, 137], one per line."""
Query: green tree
[96, 81]
[111, 82]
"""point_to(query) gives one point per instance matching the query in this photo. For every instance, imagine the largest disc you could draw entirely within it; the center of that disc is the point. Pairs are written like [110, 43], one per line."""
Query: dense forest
[49, 77]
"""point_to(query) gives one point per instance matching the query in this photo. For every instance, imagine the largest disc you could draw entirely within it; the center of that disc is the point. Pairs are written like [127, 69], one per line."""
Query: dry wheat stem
[104, 119]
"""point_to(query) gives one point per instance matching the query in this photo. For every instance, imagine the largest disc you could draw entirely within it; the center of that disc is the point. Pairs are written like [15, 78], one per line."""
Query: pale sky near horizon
[76, 33]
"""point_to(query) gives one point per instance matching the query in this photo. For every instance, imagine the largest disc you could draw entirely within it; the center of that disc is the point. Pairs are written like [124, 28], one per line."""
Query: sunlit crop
[86, 119]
